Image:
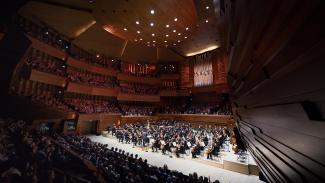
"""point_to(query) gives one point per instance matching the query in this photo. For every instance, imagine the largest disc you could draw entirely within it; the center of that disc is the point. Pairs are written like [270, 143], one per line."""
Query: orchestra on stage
[172, 137]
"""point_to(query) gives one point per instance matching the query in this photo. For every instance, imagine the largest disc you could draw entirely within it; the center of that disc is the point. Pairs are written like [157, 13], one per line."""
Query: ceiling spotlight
[135, 40]
[167, 25]
[153, 41]
[167, 35]
[186, 28]
[207, 7]
[112, 60]
[97, 55]
[138, 32]
[151, 24]
[125, 29]
[179, 34]
[185, 37]
[165, 41]
[206, 21]
[175, 19]
[152, 12]
[137, 22]
[179, 41]
[174, 30]
[140, 39]
[174, 44]
[153, 34]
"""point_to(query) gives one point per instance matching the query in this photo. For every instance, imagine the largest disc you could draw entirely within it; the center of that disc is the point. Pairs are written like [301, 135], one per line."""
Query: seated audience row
[46, 63]
[51, 100]
[28, 156]
[89, 78]
[139, 89]
[137, 110]
[91, 106]
[121, 166]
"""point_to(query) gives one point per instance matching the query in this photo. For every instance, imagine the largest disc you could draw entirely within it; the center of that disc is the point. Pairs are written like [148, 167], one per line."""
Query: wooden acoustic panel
[275, 51]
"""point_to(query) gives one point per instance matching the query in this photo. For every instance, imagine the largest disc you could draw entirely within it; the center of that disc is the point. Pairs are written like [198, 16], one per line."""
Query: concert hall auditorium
[162, 91]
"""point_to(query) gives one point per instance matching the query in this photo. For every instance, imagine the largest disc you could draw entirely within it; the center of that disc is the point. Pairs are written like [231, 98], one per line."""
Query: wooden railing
[90, 67]
[91, 90]
[37, 44]
[47, 78]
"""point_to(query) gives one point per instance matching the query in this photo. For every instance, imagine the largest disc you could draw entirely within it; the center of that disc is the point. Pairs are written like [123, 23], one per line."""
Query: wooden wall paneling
[47, 78]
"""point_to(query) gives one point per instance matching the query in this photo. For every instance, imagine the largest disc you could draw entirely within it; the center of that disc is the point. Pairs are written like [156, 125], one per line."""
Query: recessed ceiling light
[206, 21]
[174, 44]
[97, 55]
[174, 30]
[185, 37]
[140, 39]
[112, 60]
[167, 35]
[165, 41]
[179, 34]
[154, 41]
[153, 34]
[179, 41]
[186, 28]
[137, 22]
[152, 24]
[175, 19]
[125, 29]
[138, 32]
[135, 40]
[152, 12]
[207, 7]
[167, 25]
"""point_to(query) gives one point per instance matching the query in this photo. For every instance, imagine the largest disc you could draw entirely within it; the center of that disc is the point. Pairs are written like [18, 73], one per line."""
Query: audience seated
[43, 62]
[28, 156]
[139, 89]
[137, 110]
[50, 100]
[91, 106]
[121, 166]
[89, 78]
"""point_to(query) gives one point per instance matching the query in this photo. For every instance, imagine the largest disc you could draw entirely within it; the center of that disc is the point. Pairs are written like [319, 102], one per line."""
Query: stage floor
[185, 165]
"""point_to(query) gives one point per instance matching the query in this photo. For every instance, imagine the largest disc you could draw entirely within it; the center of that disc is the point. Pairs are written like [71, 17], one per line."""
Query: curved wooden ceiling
[85, 21]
